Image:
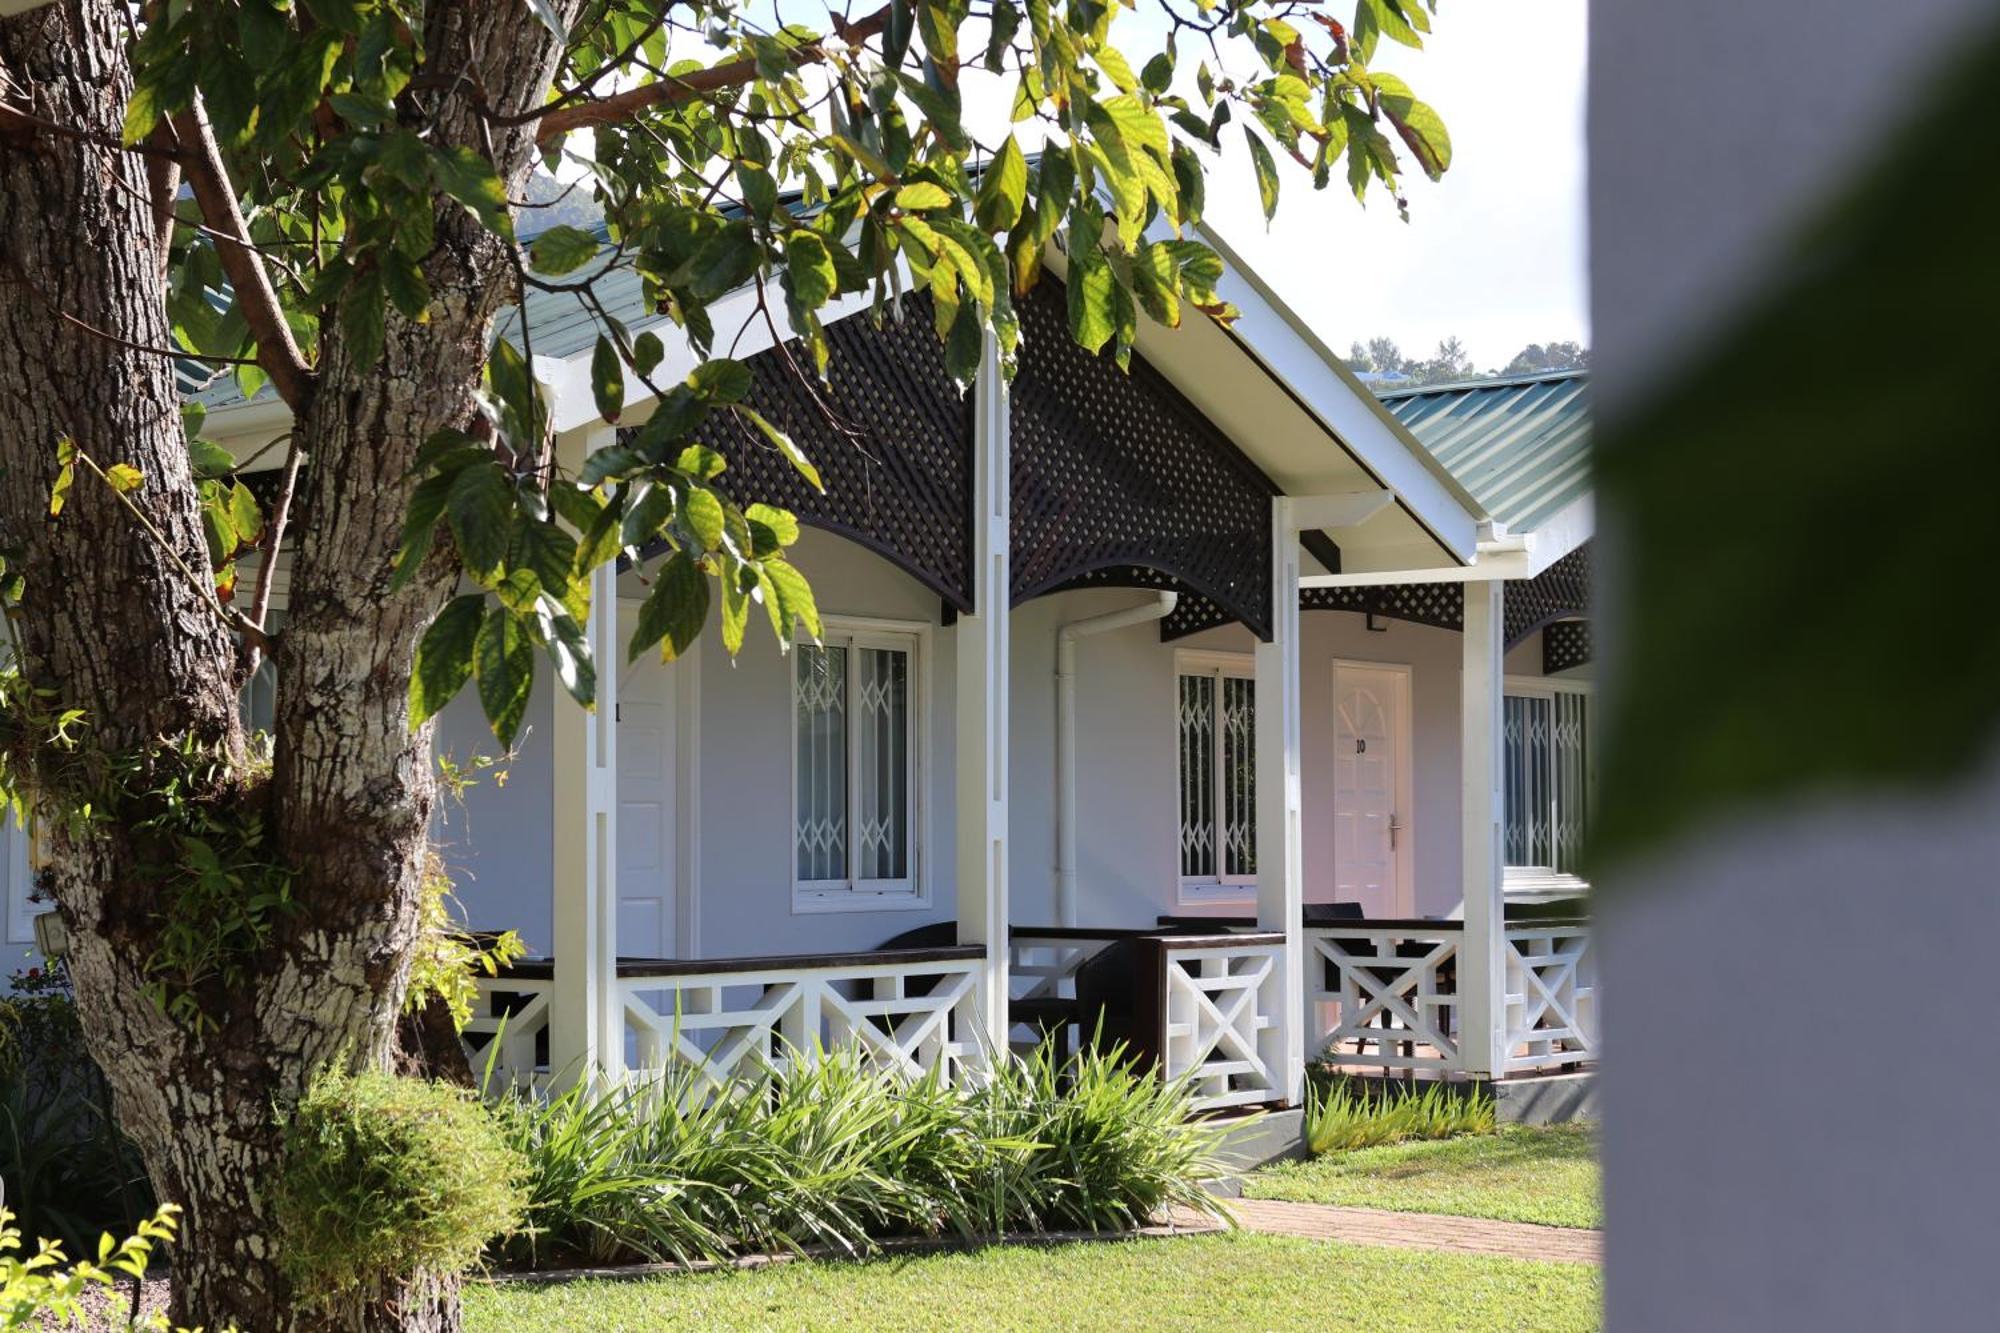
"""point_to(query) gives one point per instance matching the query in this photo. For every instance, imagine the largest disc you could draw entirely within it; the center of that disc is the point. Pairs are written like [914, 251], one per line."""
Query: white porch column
[586, 1023]
[1482, 973]
[983, 714]
[1280, 880]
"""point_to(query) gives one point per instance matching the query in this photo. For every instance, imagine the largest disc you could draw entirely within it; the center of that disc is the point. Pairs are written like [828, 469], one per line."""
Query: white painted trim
[1294, 355]
[1224, 889]
[1406, 787]
[1280, 800]
[983, 697]
[687, 787]
[913, 636]
[1482, 971]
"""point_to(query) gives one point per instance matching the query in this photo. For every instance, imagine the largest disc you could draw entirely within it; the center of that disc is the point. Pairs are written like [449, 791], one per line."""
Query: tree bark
[111, 627]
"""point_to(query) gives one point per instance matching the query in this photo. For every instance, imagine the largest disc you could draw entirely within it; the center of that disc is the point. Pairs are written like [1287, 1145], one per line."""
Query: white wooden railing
[1384, 993]
[514, 1012]
[1551, 996]
[910, 1010]
[1219, 1016]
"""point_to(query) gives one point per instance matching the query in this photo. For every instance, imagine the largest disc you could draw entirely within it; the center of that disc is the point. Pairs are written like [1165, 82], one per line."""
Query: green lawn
[1546, 1174]
[1205, 1282]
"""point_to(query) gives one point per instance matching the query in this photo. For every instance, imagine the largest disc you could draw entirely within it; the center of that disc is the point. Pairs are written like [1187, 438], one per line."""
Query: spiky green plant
[1346, 1113]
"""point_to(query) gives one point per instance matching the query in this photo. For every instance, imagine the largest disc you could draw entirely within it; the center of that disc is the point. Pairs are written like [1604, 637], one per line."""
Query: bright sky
[1496, 252]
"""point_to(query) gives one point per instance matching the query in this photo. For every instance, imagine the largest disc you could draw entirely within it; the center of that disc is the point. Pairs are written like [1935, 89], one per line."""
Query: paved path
[1417, 1231]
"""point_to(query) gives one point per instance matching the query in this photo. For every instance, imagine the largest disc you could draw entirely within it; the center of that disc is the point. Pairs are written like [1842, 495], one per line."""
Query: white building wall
[499, 841]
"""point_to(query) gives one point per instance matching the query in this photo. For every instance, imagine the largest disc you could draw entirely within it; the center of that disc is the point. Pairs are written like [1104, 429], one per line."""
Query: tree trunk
[111, 627]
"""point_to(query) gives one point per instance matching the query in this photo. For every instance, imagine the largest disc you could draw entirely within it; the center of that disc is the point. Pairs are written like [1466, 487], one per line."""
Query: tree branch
[163, 186]
[274, 542]
[673, 90]
[277, 352]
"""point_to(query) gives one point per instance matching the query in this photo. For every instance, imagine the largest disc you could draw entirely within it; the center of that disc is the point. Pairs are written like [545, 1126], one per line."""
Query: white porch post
[1280, 882]
[1482, 963]
[983, 714]
[586, 1023]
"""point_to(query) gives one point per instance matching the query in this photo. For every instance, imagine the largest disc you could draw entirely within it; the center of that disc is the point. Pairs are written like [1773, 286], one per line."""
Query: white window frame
[1546, 881]
[1208, 890]
[851, 894]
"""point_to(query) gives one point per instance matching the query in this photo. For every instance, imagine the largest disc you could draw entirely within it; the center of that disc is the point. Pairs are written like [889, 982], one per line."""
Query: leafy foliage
[389, 1179]
[66, 1171]
[447, 957]
[793, 167]
[38, 1288]
[835, 1152]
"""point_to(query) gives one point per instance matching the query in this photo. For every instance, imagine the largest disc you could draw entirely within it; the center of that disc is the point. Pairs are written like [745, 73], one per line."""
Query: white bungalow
[1220, 703]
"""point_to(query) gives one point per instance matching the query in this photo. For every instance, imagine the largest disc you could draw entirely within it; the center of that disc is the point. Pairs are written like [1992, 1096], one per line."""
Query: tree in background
[1382, 362]
[1537, 357]
[323, 197]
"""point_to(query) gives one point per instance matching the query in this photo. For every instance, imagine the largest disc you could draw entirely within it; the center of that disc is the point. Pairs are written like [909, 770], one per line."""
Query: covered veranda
[1232, 474]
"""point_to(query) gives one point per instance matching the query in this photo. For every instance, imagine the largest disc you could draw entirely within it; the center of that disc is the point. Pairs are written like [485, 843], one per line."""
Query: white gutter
[1159, 608]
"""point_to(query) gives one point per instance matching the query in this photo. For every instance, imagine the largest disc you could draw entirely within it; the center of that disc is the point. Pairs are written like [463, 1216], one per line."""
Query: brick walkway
[1417, 1231]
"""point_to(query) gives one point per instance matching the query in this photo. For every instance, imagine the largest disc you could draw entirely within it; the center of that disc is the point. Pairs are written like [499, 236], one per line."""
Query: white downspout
[1159, 608]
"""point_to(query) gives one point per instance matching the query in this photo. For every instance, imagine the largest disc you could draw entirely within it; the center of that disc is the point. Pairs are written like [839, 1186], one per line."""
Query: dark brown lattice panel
[1565, 644]
[896, 459]
[1557, 593]
[1560, 591]
[1120, 481]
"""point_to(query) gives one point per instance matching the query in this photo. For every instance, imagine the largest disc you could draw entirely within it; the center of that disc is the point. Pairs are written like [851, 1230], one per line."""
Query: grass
[1546, 1174]
[1209, 1282]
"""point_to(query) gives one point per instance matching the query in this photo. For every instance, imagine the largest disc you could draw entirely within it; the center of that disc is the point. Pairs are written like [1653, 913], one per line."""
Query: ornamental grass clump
[831, 1151]
[388, 1180]
[1344, 1114]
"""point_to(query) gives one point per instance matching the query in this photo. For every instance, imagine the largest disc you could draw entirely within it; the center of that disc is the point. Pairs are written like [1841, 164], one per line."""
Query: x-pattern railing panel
[1389, 993]
[798, 1011]
[509, 1020]
[1551, 997]
[1220, 1025]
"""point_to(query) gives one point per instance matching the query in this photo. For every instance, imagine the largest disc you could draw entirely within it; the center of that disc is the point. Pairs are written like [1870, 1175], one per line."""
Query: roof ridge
[1494, 382]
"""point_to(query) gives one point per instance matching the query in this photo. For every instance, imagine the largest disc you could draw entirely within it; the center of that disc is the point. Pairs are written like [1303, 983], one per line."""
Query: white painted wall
[500, 846]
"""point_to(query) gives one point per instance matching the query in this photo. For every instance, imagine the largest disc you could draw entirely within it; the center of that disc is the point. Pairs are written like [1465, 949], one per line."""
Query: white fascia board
[1516, 563]
[1563, 531]
[1333, 512]
[1295, 357]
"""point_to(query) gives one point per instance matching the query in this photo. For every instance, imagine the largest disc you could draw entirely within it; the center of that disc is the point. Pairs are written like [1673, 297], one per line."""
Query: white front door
[1371, 822]
[646, 806]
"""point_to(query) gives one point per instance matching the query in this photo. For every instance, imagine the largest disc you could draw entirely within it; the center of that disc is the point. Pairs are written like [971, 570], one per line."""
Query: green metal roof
[1520, 445]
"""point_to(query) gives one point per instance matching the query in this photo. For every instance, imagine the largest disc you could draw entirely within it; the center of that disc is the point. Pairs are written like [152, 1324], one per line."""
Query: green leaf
[142, 113]
[480, 506]
[1092, 310]
[791, 599]
[562, 249]
[503, 663]
[124, 478]
[920, 195]
[1156, 282]
[1003, 190]
[245, 514]
[361, 317]
[420, 526]
[735, 611]
[607, 379]
[1116, 68]
[704, 517]
[674, 612]
[811, 269]
[726, 261]
[444, 657]
[1267, 172]
[784, 445]
[469, 178]
[722, 380]
[209, 459]
[781, 524]
[1417, 123]
[647, 353]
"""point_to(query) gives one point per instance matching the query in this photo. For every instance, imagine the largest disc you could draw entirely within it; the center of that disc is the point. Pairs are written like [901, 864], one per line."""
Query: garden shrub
[38, 1289]
[389, 1179]
[835, 1152]
[66, 1172]
[1345, 1113]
